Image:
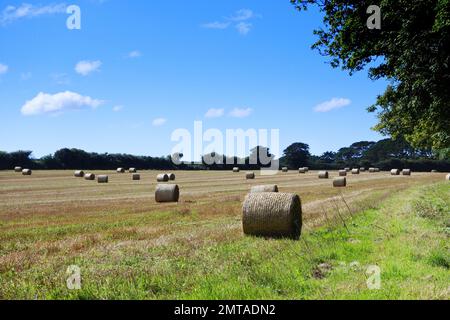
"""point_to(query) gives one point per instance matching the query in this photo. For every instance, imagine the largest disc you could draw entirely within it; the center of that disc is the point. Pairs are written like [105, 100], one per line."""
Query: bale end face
[250, 175]
[277, 215]
[167, 193]
[136, 177]
[267, 188]
[340, 182]
[102, 179]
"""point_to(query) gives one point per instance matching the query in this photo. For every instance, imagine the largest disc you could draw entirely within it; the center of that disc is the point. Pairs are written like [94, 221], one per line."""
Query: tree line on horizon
[385, 154]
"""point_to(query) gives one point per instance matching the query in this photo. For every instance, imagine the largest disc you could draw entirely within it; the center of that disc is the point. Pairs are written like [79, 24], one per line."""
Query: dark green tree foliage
[412, 51]
[296, 155]
[385, 154]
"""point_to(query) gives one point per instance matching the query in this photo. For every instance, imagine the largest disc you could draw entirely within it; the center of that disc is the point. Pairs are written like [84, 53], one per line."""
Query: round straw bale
[89, 176]
[18, 169]
[250, 175]
[132, 170]
[434, 171]
[236, 170]
[167, 193]
[102, 179]
[302, 170]
[406, 172]
[377, 169]
[266, 188]
[163, 177]
[171, 176]
[395, 172]
[340, 182]
[26, 172]
[120, 170]
[355, 171]
[272, 215]
[78, 174]
[372, 170]
[285, 169]
[306, 169]
[447, 177]
[342, 173]
[362, 169]
[136, 176]
[323, 175]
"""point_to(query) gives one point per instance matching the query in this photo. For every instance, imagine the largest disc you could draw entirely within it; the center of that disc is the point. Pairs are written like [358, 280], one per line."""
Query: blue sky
[138, 70]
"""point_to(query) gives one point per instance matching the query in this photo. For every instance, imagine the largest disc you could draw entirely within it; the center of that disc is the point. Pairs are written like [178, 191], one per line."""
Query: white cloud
[243, 28]
[45, 103]
[3, 68]
[216, 25]
[85, 67]
[239, 19]
[241, 113]
[214, 113]
[25, 10]
[159, 122]
[335, 103]
[242, 15]
[117, 108]
[135, 54]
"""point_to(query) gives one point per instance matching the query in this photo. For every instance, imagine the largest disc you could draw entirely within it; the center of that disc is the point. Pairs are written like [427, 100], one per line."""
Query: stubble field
[129, 247]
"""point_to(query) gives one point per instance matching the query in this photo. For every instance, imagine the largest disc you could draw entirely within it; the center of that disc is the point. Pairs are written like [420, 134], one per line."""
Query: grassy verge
[405, 237]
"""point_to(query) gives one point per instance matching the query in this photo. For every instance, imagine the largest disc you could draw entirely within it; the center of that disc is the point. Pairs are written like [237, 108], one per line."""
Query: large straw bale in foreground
[276, 215]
